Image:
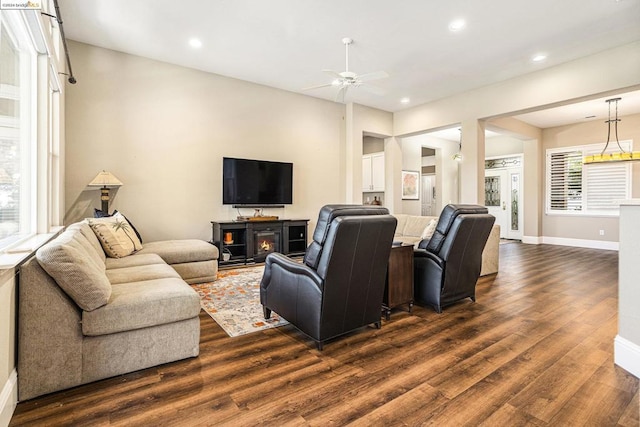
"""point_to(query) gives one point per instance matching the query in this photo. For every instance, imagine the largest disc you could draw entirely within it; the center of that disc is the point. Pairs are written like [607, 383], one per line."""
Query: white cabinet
[373, 172]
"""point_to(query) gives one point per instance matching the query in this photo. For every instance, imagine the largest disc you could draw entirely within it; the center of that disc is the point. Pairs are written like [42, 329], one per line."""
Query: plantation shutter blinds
[565, 181]
[592, 189]
[606, 183]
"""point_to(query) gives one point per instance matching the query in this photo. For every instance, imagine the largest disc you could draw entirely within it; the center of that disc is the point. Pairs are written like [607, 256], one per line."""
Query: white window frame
[623, 176]
[41, 203]
[24, 129]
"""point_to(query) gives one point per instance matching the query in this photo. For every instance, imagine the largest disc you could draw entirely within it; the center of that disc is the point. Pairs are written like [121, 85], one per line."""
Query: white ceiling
[595, 109]
[286, 43]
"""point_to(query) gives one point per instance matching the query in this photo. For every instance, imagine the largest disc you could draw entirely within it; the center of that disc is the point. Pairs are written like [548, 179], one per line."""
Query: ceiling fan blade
[333, 74]
[373, 89]
[317, 86]
[373, 76]
[341, 93]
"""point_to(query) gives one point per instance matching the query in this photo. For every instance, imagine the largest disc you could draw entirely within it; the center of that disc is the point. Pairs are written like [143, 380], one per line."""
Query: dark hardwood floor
[535, 349]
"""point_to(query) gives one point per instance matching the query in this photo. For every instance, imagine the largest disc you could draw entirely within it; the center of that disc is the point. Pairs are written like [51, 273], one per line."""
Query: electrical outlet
[602, 232]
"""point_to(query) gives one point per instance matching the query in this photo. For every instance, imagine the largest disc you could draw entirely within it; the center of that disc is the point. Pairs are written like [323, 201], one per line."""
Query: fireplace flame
[266, 246]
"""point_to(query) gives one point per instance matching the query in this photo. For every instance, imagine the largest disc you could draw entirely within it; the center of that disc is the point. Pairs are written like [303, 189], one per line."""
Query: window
[586, 190]
[30, 128]
[17, 153]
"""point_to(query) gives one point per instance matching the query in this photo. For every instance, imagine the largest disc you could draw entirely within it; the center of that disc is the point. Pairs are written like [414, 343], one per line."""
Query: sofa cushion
[429, 229]
[98, 213]
[140, 305]
[402, 220]
[116, 235]
[87, 248]
[67, 262]
[181, 251]
[140, 273]
[87, 232]
[197, 272]
[133, 261]
[415, 225]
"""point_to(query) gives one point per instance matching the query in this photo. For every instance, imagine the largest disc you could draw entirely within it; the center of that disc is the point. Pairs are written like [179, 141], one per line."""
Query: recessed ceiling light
[195, 43]
[539, 57]
[457, 25]
[405, 100]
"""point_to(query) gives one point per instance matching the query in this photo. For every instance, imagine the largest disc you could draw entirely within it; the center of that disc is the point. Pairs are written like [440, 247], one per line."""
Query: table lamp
[105, 180]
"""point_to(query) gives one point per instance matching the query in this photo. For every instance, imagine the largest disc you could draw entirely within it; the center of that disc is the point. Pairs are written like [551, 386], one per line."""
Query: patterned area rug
[233, 301]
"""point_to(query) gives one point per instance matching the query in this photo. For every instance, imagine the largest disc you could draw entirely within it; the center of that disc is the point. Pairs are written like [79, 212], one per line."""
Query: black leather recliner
[448, 268]
[339, 286]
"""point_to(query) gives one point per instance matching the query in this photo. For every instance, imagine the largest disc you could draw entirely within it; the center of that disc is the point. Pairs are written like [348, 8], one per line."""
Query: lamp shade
[105, 179]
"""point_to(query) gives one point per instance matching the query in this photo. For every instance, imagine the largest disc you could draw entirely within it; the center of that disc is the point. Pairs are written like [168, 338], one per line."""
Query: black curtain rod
[58, 18]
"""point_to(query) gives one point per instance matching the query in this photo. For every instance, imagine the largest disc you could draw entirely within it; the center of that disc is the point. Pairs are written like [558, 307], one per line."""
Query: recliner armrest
[291, 266]
[423, 243]
[423, 255]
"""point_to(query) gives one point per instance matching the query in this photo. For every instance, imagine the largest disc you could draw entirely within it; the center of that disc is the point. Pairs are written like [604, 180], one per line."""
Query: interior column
[472, 164]
[353, 171]
[393, 179]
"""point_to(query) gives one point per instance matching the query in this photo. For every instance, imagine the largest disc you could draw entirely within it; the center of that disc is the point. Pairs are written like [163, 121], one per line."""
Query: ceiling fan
[347, 79]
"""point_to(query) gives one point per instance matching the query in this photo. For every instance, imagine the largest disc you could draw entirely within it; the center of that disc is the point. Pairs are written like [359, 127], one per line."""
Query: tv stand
[247, 242]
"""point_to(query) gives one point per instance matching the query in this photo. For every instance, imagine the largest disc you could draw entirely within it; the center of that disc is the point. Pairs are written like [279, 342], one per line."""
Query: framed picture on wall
[410, 185]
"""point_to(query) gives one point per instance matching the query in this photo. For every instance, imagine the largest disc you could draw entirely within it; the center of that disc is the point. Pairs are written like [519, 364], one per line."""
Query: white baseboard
[578, 243]
[627, 355]
[8, 399]
[581, 243]
[532, 240]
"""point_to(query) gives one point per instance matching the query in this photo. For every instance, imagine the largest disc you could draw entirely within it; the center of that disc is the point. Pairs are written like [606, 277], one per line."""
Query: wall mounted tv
[256, 183]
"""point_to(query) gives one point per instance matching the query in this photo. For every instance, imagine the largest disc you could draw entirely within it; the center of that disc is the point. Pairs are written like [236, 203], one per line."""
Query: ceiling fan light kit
[346, 79]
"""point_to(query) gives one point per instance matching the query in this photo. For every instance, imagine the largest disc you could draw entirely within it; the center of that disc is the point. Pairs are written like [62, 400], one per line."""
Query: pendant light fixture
[458, 156]
[622, 156]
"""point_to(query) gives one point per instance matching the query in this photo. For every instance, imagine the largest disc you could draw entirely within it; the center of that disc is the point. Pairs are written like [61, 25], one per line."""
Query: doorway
[503, 194]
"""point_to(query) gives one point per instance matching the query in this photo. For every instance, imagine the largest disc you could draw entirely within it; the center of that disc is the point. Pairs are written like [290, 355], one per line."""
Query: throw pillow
[79, 277]
[116, 236]
[97, 213]
[429, 229]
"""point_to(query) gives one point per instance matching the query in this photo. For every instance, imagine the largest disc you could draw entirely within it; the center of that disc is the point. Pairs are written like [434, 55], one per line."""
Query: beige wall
[372, 144]
[592, 132]
[556, 227]
[503, 146]
[562, 84]
[412, 161]
[163, 130]
[588, 77]
[161, 114]
[446, 169]
[364, 121]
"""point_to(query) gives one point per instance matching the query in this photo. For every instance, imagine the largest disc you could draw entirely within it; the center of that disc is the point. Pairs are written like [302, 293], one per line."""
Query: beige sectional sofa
[410, 230]
[84, 317]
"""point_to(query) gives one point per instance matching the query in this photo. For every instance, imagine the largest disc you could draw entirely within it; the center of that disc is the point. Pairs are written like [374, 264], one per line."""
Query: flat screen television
[256, 182]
